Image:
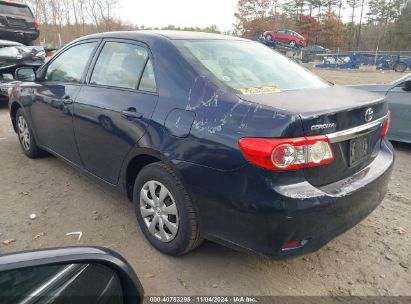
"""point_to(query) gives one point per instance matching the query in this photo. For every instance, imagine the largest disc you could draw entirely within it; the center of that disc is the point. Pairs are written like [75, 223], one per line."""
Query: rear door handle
[131, 113]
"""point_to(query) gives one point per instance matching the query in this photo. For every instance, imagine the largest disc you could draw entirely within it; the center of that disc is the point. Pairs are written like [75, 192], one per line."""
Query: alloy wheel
[24, 133]
[159, 211]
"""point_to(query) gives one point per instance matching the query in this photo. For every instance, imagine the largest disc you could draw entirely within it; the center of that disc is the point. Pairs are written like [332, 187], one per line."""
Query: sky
[160, 13]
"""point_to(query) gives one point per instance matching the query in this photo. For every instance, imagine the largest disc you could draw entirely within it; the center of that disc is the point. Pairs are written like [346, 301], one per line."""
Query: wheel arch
[135, 162]
[13, 111]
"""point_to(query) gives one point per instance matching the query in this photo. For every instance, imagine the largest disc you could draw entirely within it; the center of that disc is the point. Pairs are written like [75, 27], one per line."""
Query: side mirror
[25, 74]
[407, 85]
[68, 275]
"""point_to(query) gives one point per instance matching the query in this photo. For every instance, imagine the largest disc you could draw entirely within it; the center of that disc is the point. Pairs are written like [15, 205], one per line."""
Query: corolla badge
[369, 114]
[323, 126]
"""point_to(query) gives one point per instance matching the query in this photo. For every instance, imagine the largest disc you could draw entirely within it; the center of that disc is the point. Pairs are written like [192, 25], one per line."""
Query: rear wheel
[26, 138]
[400, 67]
[268, 37]
[164, 210]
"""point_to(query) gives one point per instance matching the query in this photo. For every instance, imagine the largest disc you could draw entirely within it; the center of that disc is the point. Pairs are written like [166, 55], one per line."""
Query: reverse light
[287, 153]
[386, 125]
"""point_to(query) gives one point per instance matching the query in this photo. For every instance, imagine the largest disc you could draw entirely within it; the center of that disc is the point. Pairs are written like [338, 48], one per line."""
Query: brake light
[287, 153]
[386, 125]
[36, 24]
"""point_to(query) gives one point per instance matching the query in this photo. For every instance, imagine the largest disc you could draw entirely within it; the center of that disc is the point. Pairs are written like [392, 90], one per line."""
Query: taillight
[386, 125]
[287, 153]
[36, 23]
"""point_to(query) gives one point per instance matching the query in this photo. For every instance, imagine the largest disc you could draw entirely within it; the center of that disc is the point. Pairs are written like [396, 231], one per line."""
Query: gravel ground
[373, 258]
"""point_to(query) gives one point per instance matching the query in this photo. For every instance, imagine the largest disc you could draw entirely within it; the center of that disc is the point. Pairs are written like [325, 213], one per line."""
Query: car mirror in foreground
[25, 74]
[68, 275]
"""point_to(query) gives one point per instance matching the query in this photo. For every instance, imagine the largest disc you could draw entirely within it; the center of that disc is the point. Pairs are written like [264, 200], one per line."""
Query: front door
[112, 111]
[52, 109]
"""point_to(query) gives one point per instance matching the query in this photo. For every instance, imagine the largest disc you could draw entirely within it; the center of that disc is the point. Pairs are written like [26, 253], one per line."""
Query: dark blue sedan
[211, 137]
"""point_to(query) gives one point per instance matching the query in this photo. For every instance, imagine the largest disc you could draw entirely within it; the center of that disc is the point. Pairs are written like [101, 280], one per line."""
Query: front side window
[120, 65]
[249, 67]
[70, 65]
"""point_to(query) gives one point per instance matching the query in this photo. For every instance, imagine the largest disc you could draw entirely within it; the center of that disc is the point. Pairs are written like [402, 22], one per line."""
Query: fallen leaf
[25, 193]
[184, 284]
[8, 242]
[400, 230]
[149, 275]
[39, 235]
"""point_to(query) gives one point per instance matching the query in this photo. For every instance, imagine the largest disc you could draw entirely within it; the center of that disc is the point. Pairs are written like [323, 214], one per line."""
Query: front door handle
[131, 113]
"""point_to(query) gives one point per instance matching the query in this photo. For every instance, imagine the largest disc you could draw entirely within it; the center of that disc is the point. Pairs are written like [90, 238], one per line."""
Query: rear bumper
[19, 35]
[259, 212]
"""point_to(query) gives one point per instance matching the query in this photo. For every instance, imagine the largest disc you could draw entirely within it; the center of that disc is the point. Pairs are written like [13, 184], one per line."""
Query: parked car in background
[286, 36]
[398, 96]
[14, 55]
[17, 22]
[309, 53]
[402, 63]
[210, 136]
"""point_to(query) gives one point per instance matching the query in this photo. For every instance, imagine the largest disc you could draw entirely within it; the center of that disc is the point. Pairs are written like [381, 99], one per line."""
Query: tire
[292, 43]
[174, 212]
[400, 67]
[26, 137]
[269, 37]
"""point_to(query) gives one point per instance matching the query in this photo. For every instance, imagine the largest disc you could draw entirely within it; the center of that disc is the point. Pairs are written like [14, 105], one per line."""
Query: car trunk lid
[352, 119]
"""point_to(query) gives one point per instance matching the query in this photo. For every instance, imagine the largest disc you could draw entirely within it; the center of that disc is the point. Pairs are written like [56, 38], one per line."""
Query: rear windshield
[249, 67]
[6, 9]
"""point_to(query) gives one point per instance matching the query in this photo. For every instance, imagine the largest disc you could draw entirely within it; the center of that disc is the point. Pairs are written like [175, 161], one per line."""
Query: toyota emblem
[369, 114]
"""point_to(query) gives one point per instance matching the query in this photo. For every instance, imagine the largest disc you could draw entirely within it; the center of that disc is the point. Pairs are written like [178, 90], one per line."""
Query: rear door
[112, 111]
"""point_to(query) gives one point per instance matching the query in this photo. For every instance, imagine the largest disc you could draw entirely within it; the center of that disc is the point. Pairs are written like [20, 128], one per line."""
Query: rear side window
[148, 81]
[6, 9]
[70, 65]
[120, 65]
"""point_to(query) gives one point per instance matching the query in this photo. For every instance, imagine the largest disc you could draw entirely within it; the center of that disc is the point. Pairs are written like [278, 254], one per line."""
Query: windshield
[250, 67]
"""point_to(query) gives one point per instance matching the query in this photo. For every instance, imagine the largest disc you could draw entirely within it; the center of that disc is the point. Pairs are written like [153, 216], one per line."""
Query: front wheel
[292, 43]
[26, 138]
[165, 211]
[269, 37]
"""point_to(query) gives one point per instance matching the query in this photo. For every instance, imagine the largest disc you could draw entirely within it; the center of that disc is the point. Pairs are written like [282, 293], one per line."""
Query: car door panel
[52, 118]
[52, 108]
[104, 134]
[399, 102]
[109, 118]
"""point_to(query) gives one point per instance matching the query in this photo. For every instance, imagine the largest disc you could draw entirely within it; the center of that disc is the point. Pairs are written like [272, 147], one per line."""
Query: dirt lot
[374, 258]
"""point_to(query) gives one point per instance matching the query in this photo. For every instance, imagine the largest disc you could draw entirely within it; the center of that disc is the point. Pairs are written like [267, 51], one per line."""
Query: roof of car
[171, 35]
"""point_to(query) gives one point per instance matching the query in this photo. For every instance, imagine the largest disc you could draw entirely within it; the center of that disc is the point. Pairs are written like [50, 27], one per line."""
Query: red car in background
[286, 36]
